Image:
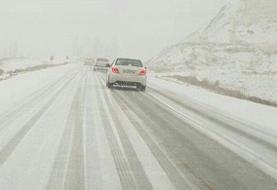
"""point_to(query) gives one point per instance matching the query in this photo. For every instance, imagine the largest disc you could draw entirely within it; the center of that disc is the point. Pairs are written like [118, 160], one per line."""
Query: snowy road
[74, 133]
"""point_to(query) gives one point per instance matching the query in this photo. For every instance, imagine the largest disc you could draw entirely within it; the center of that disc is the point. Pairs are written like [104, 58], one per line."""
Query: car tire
[109, 85]
[143, 88]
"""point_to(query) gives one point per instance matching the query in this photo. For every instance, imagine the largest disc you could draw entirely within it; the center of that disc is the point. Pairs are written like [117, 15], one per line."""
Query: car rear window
[102, 60]
[126, 62]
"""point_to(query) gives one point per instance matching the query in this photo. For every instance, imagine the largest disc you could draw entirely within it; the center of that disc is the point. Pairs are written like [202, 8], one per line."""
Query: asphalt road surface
[76, 134]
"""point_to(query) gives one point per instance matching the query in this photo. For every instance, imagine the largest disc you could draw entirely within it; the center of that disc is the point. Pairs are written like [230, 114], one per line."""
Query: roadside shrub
[215, 87]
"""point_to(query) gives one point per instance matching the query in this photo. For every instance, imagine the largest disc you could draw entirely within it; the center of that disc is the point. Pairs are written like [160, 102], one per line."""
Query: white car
[127, 72]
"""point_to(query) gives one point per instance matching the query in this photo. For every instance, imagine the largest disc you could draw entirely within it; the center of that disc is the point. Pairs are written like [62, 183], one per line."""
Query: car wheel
[109, 85]
[142, 88]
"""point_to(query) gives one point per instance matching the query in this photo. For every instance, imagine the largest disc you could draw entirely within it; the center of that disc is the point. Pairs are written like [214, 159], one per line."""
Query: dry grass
[215, 87]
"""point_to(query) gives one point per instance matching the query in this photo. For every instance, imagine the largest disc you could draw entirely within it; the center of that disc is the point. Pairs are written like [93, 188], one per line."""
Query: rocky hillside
[236, 50]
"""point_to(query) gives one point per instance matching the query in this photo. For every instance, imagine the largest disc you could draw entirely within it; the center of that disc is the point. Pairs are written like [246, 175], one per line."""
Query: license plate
[129, 71]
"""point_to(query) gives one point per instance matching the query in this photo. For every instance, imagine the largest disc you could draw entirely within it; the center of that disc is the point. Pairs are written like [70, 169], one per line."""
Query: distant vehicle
[127, 73]
[102, 64]
[89, 61]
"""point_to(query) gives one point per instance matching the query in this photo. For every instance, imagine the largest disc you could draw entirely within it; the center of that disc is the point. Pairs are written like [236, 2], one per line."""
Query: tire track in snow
[28, 103]
[93, 170]
[173, 133]
[141, 179]
[8, 149]
[101, 170]
[194, 151]
[170, 143]
[75, 174]
[254, 147]
[122, 165]
[236, 126]
[68, 168]
[178, 180]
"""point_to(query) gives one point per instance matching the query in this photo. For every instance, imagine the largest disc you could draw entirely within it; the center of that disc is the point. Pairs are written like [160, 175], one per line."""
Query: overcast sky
[129, 28]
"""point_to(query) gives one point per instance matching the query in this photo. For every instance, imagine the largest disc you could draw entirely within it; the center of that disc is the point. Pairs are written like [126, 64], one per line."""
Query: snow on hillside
[244, 21]
[236, 51]
[12, 66]
[18, 63]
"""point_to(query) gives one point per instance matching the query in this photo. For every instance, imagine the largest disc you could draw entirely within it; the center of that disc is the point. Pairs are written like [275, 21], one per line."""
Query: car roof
[102, 59]
[129, 59]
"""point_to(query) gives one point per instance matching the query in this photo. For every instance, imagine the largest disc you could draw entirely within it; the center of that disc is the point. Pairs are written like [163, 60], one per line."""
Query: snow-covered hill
[244, 21]
[237, 50]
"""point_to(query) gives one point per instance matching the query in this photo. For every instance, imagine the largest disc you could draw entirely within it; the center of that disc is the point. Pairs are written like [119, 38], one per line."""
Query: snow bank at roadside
[13, 66]
[19, 87]
[249, 112]
[18, 63]
[245, 69]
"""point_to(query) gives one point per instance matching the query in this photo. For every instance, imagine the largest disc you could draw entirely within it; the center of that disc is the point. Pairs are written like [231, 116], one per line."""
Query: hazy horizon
[99, 28]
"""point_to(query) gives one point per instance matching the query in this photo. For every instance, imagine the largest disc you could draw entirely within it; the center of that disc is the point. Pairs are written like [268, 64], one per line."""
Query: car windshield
[129, 62]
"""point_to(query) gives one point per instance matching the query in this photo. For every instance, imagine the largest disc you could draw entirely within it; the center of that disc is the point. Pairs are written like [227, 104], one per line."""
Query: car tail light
[115, 70]
[142, 72]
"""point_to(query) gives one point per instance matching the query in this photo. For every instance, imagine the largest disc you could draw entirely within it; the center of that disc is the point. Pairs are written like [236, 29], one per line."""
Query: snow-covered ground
[62, 128]
[12, 66]
[18, 63]
[257, 114]
[248, 71]
[236, 51]
[20, 87]
[252, 118]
